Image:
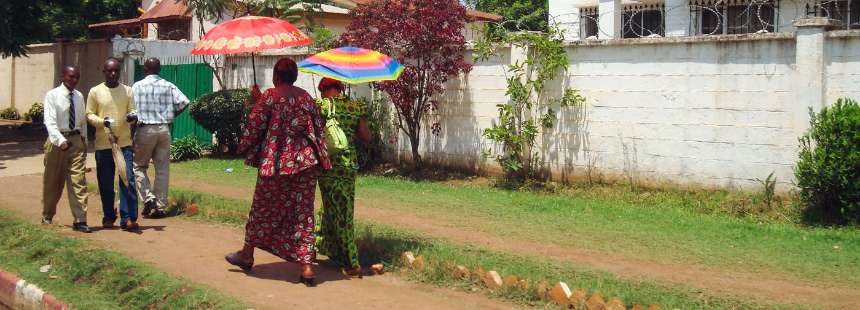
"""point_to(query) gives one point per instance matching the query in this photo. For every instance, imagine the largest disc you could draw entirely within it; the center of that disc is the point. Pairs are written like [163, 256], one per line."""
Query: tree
[40, 21]
[16, 27]
[426, 36]
[524, 14]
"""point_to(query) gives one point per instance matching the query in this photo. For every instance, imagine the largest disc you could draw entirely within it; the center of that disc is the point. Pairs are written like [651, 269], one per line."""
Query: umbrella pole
[254, 68]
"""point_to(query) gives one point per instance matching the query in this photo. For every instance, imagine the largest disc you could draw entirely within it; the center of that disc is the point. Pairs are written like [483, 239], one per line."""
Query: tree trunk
[416, 158]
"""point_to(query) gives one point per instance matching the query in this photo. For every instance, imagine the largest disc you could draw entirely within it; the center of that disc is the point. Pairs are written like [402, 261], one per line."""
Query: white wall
[842, 58]
[713, 111]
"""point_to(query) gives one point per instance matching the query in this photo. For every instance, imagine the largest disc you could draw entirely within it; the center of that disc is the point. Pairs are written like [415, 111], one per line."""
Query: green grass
[87, 277]
[382, 243]
[663, 226]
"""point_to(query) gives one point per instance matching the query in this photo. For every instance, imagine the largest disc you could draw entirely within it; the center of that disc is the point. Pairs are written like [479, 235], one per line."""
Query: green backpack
[335, 137]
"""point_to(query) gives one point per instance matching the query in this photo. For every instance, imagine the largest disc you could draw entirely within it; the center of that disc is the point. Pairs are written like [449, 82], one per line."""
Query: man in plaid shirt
[158, 102]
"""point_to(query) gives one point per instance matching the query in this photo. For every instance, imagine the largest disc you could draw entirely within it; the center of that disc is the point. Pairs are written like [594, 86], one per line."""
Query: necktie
[71, 111]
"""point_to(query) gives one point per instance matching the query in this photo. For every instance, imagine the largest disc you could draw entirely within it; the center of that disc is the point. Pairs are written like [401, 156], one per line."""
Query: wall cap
[816, 22]
[686, 39]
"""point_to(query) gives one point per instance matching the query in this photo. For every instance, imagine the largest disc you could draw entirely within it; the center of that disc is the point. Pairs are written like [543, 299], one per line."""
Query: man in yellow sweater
[110, 105]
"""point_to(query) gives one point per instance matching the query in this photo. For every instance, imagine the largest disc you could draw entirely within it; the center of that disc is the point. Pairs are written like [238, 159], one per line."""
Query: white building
[607, 19]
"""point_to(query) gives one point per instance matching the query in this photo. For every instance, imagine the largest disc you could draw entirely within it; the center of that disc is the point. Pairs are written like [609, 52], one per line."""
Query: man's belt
[71, 133]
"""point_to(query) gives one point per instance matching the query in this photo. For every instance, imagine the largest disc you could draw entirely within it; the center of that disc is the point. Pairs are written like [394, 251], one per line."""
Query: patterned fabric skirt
[281, 220]
[336, 233]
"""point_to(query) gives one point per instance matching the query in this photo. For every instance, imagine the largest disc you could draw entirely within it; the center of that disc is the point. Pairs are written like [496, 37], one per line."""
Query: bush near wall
[828, 169]
[10, 113]
[35, 114]
[223, 113]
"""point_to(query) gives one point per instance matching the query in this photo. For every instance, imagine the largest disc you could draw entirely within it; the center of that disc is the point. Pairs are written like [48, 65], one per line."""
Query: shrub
[186, 148]
[828, 169]
[377, 116]
[10, 113]
[36, 113]
[223, 113]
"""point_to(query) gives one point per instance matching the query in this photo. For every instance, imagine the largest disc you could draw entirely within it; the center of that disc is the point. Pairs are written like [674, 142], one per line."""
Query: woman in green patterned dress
[336, 235]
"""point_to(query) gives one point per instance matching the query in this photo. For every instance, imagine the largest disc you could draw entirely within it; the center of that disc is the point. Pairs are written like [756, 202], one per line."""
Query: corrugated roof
[122, 23]
[166, 9]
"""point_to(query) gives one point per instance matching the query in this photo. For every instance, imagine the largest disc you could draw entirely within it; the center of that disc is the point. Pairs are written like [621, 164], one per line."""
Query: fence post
[566, 16]
[609, 19]
[677, 18]
[810, 60]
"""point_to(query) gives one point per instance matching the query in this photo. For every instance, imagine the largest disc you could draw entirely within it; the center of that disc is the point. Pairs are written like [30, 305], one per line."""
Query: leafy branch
[529, 111]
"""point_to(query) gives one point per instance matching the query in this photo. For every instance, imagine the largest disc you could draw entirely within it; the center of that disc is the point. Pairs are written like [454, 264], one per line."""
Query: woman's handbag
[335, 137]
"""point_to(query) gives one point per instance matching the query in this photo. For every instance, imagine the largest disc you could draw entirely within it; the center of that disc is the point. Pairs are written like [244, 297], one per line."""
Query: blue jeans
[105, 172]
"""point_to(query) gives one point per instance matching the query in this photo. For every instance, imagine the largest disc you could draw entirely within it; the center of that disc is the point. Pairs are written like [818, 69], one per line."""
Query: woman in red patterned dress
[284, 139]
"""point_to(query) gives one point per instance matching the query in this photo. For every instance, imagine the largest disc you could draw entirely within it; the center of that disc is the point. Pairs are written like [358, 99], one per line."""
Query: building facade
[612, 19]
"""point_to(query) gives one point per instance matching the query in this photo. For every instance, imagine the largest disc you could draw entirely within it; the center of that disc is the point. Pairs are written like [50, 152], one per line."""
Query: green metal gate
[194, 80]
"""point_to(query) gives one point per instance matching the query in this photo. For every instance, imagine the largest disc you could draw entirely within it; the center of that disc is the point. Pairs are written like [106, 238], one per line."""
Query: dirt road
[195, 250]
[762, 286]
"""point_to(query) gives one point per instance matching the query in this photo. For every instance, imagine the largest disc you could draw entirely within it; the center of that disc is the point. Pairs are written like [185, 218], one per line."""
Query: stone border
[18, 294]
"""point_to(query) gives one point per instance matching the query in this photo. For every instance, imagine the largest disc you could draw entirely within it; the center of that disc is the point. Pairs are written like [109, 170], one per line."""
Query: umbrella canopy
[250, 34]
[353, 65]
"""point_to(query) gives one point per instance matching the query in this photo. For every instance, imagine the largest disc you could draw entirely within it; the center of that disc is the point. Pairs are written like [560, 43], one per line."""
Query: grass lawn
[87, 277]
[667, 229]
[382, 243]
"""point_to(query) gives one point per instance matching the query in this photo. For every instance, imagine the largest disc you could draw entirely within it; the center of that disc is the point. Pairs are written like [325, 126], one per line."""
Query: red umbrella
[250, 34]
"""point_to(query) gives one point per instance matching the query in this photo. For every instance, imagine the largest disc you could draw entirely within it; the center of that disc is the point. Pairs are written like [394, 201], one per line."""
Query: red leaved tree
[426, 36]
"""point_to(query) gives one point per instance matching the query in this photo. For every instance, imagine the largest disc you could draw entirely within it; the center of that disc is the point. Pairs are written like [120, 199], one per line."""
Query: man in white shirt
[158, 102]
[65, 150]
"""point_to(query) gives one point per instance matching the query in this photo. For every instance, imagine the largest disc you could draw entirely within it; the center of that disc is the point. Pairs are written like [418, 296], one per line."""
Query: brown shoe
[353, 273]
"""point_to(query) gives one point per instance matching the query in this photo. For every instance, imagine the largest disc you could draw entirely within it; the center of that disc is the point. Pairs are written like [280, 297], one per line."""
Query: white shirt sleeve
[50, 115]
[179, 99]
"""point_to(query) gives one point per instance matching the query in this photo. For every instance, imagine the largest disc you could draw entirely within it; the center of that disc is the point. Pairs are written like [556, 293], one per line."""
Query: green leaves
[224, 113]
[529, 110]
[828, 168]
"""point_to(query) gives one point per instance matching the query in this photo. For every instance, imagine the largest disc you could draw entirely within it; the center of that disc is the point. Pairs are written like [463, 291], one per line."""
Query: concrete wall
[33, 77]
[842, 59]
[40, 72]
[716, 111]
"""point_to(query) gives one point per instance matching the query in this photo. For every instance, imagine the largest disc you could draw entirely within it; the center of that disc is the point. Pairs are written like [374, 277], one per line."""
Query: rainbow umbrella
[353, 65]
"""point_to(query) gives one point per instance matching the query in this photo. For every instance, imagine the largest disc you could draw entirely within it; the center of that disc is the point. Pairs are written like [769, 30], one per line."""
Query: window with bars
[642, 22]
[733, 17]
[588, 23]
[846, 11]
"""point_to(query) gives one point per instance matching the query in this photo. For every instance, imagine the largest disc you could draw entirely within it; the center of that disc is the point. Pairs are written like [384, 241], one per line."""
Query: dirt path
[195, 250]
[763, 286]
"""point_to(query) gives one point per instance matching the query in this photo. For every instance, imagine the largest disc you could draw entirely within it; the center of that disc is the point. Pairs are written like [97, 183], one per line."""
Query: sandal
[307, 281]
[236, 260]
[353, 273]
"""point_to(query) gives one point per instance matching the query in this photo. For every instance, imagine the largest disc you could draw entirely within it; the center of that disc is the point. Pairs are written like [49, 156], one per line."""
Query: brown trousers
[65, 168]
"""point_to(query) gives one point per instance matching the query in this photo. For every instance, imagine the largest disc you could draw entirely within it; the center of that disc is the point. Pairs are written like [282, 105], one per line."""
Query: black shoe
[236, 260]
[47, 221]
[81, 227]
[133, 227]
[107, 224]
[148, 207]
[157, 214]
[309, 282]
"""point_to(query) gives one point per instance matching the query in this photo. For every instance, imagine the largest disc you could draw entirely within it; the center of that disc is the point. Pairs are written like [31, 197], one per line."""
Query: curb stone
[18, 294]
